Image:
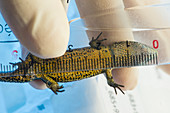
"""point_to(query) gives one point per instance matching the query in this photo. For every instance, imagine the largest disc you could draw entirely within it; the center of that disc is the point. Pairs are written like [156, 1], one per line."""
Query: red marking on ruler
[15, 54]
[155, 44]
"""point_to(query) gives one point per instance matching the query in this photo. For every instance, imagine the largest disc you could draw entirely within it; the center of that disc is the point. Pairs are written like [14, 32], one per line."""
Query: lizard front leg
[111, 82]
[96, 43]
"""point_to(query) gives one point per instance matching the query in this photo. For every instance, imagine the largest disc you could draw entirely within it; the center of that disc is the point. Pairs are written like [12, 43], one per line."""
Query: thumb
[41, 26]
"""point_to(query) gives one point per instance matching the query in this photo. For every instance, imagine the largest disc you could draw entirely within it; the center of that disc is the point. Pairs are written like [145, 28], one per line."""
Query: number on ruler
[5, 28]
[127, 43]
[1, 28]
[155, 44]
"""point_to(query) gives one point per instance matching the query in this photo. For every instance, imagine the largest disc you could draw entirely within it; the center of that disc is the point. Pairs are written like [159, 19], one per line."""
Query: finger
[41, 26]
[65, 4]
[141, 3]
[24, 52]
[98, 14]
[38, 84]
[165, 68]
[126, 76]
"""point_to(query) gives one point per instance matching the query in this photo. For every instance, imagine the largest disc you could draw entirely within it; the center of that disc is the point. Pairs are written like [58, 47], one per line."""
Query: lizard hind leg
[20, 64]
[111, 82]
[27, 63]
[52, 84]
[55, 87]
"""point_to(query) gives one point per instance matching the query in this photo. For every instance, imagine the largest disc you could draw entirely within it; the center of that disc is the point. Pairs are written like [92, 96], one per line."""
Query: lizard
[81, 63]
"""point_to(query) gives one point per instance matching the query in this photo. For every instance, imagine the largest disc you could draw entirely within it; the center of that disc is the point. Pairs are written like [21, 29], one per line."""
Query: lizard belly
[73, 76]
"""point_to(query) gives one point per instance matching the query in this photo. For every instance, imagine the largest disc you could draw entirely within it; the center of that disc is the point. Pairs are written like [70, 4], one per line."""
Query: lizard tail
[12, 74]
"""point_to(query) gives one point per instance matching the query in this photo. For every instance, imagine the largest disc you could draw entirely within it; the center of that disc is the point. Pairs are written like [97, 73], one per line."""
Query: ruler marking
[79, 62]
[156, 58]
[112, 62]
[91, 64]
[86, 63]
[148, 58]
[126, 62]
[97, 67]
[105, 60]
[97, 61]
[131, 63]
[78, 65]
[120, 62]
[128, 58]
[1, 68]
[48, 67]
[51, 67]
[94, 63]
[101, 61]
[109, 60]
[57, 64]
[92, 67]
[37, 71]
[83, 66]
[117, 61]
[151, 58]
[134, 60]
[65, 65]
[140, 61]
[123, 62]
[69, 64]
[144, 59]
[76, 62]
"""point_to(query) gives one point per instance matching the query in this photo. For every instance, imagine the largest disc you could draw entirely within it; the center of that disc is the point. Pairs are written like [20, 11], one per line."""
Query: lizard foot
[19, 64]
[28, 62]
[111, 82]
[114, 85]
[23, 66]
[95, 43]
[55, 88]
